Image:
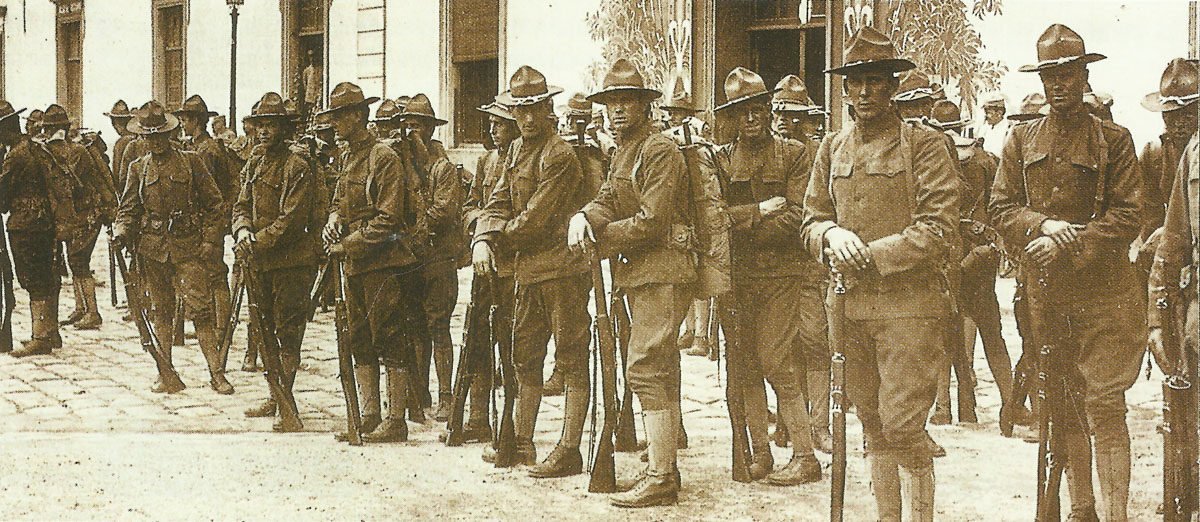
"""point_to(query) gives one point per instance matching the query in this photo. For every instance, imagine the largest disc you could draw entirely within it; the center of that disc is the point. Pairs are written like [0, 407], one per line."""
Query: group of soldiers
[878, 243]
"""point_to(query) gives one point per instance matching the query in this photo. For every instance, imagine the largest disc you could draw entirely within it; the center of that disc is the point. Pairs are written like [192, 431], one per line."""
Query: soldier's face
[870, 93]
[503, 131]
[993, 114]
[120, 125]
[1181, 123]
[788, 125]
[534, 120]
[627, 111]
[346, 122]
[915, 109]
[271, 132]
[420, 127]
[192, 124]
[753, 119]
[1064, 86]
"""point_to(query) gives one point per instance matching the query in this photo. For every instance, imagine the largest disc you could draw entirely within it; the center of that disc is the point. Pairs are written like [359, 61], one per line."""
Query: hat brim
[950, 125]
[206, 113]
[601, 96]
[493, 110]
[1153, 102]
[792, 106]
[291, 118]
[171, 124]
[892, 65]
[11, 114]
[1051, 64]
[679, 107]
[962, 141]
[1024, 116]
[437, 122]
[506, 97]
[744, 99]
[119, 116]
[365, 103]
[913, 95]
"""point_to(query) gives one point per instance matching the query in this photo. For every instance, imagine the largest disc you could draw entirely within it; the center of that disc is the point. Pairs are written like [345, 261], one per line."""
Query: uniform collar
[1068, 120]
[635, 135]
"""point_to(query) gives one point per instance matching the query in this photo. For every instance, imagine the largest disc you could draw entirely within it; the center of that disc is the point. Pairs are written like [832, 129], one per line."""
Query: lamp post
[233, 19]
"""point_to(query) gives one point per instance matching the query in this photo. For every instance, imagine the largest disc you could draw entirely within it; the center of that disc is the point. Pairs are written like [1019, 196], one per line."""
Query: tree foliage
[636, 30]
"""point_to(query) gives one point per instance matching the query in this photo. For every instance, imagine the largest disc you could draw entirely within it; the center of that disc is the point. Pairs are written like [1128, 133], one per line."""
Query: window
[170, 46]
[474, 45]
[69, 35]
[304, 51]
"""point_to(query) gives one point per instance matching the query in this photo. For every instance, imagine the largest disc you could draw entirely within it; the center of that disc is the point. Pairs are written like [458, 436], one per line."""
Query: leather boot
[90, 320]
[566, 459]
[885, 485]
[966, 399]
[206, 336]
[170, 384]
[1112, 469]
[917, 488]
[803, 468]
[394, 428]
[250, 360]
[757, 415]
[44, 329]
[443, 364]
[941, 405]
[290, 364]
[80, 306]
[525, 414]
[1079, 475]
[818, 403]
[554, 386]
[700, 347]
[367, 378]
[478, 428]
[659, 486]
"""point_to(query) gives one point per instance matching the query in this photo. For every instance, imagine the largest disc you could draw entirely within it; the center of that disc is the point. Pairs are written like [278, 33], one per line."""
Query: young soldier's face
[627, 111]
[346, 122]
[421, 127]
[788, 125]
[1181, 123]
[1064, 86]
[870, 93]
[534, 120]
[753, 119]
[915, 110]
[119, 125]
[503, 131]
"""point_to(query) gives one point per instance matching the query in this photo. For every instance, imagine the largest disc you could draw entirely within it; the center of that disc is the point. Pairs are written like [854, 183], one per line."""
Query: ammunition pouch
[178, 224]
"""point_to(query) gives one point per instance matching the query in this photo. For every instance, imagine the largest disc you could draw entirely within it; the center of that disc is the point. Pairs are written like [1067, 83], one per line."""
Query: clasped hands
[1057, 237]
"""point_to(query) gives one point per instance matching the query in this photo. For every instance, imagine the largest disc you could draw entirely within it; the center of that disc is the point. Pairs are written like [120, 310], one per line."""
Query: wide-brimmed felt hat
[194, 104]
[1178, 88]
[579, 106]
[791, 95]
[152, 118]
[743, 85]
[527, 86]
[497, 110]
[1031, 107]
[386, 110]
[55, 115]
[623, 76]
[995, 101]
[914, 86]
[271, 105]
[346, 95]
[681, 99]
[35, 116]
[119, 110]
[420, 107]
[871, 50]
[402, 101]
[7, 111]
[1059, 45]
[946, 115]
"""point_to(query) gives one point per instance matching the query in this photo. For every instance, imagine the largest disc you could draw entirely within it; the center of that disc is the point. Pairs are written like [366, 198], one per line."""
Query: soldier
[796, 117]
[994, 126]
[642, 213]
[1033, 106]
[914, 98]
[29, 196]
[193, 120]
[375, 226]
[679, 107]
[777, 289]
[95, 206]
[503, 129]
[33, 124]
[591, 157]
[122, 154]
[1068, 194]
[540, 188]
[278, 215]
[880, 206]
[981, 257]
[169, 216]
[1160, 158]
[444, 206]
[385, 118]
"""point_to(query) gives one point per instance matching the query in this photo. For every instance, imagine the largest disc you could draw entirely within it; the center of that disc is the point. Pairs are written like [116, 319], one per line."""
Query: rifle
[112, 271]
[734, 394]
[626, 431]
[235, 311]
[506, 437]
[264, 322]
[468, 361]
[345, 361]
[837, 395]
[1179, 437]
[141, 318]
[318, 289]
[604, 472]
[7, 294]
[177, 336]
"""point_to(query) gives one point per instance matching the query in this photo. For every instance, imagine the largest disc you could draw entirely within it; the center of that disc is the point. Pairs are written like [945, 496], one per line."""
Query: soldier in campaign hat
[796, 116]
[889, 249]
[914, 98]
[1067, 195]
[122, 155]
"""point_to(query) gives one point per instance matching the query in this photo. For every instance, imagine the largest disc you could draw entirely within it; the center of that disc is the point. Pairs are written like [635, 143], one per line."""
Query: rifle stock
[837, 396]
[1179, 423]
[345, 357]
[264, 323]
[465, 374]
[235, 312]
[604, 472]
[626, 430]
[506, 437]
[112, 271]
[151, 343]
[734, 394]
[7, 295]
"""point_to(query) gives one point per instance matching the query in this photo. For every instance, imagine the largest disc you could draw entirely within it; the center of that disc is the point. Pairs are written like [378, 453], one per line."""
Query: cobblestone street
[84, 421]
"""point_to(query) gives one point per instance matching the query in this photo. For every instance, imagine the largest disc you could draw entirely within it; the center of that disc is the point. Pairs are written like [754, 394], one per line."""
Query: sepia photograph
[819, 260]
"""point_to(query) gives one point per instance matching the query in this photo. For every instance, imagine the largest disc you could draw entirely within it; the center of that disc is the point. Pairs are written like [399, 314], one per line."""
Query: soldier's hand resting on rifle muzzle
[332, 235]
[482, 258]
[847, 248]
[244, 241]
[579, 233]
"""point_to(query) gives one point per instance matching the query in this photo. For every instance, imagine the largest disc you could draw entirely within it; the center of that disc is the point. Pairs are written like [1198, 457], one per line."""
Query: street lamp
[233, 17]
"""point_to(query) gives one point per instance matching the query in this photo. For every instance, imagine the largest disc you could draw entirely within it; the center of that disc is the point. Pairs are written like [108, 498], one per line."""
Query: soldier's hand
[1061, 232]
[848, 249]
[579, 233]
[1154, 342]
[772, 206]
[1043, 251]
[331, 233]
[482, 259]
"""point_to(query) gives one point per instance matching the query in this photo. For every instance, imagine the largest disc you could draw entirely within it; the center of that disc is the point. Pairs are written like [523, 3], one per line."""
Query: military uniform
[1076, 168]
[169, 213]
[541, 186]
[28, 193]
[1178, 253]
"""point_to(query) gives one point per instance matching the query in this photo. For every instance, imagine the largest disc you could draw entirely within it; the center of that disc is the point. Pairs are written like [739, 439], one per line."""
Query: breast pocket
[773, 183]
[523, 186]
[267, 193]
[626, 192]
[888, 196]
[1086, 181]
[1039, 186]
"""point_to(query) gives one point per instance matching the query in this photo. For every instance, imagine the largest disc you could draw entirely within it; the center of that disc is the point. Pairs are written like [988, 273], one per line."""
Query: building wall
[29, 61]
[259, 53]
